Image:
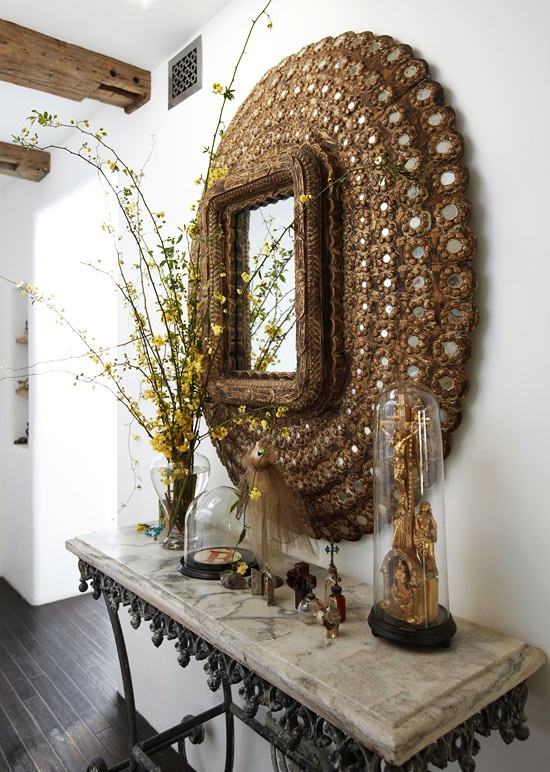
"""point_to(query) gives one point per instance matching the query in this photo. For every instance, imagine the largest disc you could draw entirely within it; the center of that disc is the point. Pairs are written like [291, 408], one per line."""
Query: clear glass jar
[213, 532]
[176, 485]
[309, 608]
[410, 591]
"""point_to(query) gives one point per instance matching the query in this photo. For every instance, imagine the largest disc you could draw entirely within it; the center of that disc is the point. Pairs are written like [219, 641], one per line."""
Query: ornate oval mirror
[353, 138]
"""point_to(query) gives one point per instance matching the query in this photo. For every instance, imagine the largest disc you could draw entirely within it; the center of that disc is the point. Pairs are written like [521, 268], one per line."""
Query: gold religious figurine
[409, 593]
[409, 568]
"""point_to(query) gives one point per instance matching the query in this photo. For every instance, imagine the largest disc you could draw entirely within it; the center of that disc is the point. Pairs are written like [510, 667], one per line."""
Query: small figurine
[330, 619]
[256, 583]
[300, 580]
[425, 536]
[262, 583]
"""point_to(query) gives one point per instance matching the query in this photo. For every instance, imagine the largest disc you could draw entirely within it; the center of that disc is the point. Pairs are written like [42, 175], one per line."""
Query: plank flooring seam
[59, 703]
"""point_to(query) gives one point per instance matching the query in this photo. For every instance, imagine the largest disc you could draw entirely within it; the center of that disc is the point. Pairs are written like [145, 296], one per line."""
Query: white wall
[16, 496]
[64, 482]
[493, 60]
[496, 498]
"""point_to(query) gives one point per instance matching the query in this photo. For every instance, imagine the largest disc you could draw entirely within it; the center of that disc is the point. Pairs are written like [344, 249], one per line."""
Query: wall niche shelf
[21, 362]
[23, 339]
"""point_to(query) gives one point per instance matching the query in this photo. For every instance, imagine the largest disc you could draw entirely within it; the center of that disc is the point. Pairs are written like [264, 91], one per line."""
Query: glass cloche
[410, 593]
[212, 535]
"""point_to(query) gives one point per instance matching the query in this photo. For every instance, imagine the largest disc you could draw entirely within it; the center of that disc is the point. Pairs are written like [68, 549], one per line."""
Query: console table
[355, 703]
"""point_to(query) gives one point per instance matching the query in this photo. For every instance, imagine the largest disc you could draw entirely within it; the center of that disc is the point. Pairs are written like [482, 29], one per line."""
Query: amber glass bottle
[340, 600]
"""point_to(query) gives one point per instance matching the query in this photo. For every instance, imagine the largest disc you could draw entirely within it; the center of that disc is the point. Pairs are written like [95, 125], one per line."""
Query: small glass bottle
[331, 619]
[330, 581]
[309, 607]
[339, 600]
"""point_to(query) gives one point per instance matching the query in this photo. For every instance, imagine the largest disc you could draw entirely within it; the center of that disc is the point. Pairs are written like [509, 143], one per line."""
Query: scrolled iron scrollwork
[136, 613]
[297, 723]
[185, 646]
[254, 692]
[189, 642]
[236, 671]
[507, 715]
[216, 669]
[158, 626]
[347, 754]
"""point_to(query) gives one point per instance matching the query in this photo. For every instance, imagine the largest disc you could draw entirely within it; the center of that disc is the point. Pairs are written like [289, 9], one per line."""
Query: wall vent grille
[185, 73]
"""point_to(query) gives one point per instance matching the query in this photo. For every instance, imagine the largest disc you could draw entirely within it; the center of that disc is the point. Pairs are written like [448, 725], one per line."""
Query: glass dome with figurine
[410, 592]
[214, 542]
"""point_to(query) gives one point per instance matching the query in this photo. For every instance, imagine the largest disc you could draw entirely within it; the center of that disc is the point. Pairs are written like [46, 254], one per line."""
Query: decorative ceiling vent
[185, 73]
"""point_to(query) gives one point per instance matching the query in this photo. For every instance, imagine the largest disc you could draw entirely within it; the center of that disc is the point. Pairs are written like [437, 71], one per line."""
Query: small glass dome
[213, 532]
[410, 593]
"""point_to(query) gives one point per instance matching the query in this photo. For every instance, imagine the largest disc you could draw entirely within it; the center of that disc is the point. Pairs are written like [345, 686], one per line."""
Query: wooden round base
[398, 631]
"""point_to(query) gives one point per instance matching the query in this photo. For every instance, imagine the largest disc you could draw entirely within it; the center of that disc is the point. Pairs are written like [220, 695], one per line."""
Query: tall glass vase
[177, 484]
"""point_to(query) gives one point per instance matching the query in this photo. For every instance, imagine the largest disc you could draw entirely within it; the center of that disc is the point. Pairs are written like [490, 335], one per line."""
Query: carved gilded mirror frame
[317, 380]
[387, 286]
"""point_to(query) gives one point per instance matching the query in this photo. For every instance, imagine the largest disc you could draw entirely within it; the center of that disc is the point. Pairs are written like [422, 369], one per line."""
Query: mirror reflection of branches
[266, 323]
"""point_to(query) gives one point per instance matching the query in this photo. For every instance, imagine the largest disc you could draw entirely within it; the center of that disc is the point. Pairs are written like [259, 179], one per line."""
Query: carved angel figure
[425, 536]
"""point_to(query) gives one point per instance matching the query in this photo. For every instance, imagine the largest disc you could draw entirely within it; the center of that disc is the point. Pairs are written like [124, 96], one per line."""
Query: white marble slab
[391, 699]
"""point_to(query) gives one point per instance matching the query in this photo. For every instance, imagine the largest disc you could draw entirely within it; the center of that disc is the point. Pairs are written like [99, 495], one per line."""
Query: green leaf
[242, 536]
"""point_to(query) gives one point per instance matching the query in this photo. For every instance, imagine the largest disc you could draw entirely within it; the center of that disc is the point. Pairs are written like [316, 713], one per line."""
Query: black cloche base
[196, 569]
[398, 631]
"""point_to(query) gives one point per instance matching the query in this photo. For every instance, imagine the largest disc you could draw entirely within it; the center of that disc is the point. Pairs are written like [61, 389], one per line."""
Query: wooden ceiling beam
[34, 60]
[24, 163]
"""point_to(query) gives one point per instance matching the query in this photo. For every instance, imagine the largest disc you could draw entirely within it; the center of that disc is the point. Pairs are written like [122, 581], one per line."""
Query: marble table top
[393, 700]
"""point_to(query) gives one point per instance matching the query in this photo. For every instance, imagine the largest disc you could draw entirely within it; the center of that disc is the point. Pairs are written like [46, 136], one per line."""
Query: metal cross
[332, 549]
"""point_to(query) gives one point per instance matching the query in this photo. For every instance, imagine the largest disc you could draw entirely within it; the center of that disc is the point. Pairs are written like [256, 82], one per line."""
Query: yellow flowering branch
[160, 288]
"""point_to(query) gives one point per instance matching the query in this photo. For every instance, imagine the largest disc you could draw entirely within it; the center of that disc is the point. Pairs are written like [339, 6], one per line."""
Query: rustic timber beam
[28, 58]
[24, 163]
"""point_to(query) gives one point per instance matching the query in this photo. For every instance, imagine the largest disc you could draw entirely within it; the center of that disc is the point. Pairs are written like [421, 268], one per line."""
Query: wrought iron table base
[293, 729]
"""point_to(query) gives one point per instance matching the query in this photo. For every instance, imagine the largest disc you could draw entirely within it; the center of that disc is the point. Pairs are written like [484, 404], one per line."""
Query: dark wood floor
[59, 707]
